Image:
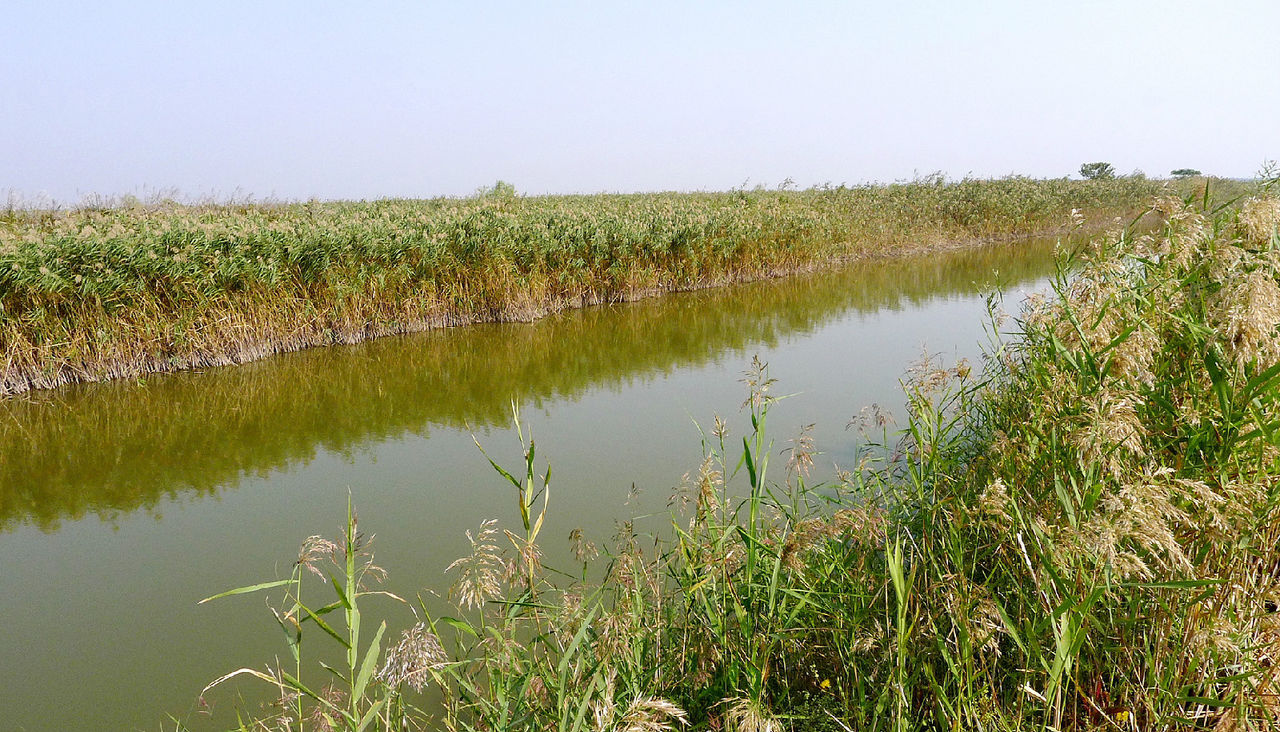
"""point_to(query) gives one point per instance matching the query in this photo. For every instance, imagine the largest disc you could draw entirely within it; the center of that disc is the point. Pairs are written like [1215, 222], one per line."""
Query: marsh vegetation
[90, 294]
[1077, 533]
[1081, 535]
[125, 445]
[125, 502]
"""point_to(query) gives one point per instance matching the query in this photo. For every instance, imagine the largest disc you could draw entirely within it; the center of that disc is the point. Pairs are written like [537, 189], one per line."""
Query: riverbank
[1083, 536]
[97, 294]
[124, 446]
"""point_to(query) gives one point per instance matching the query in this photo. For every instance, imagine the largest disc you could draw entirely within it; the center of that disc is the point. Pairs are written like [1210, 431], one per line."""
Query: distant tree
[501, 189]
[1184, 172]
[1098, 171]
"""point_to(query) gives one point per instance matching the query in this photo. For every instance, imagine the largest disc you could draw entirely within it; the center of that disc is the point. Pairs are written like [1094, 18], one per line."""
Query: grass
[1082, 537]
[109, 292]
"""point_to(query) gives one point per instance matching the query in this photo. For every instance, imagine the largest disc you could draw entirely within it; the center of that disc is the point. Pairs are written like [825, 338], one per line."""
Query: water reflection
[107, 449]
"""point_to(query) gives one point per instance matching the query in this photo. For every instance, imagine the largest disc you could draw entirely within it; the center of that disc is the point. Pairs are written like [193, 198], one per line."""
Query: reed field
[111, 291]
[1080, 534]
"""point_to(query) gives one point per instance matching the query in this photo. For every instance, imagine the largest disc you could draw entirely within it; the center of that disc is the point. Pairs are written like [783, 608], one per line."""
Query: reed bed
[1083, 536]
[125, 446]
[99, 293]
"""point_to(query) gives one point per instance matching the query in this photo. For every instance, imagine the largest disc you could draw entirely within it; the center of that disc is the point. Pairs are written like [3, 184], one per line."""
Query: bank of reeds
[99, 293]
[1082, 537]
[125, 446]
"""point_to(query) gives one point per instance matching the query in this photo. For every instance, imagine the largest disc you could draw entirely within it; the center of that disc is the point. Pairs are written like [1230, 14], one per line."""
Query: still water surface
[123, 504]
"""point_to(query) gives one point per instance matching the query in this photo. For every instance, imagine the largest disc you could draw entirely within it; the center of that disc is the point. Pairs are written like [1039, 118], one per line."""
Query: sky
[361, 100]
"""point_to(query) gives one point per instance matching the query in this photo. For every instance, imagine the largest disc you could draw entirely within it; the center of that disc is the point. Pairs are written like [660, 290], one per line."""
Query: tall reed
[100, 293]
[1082, 536]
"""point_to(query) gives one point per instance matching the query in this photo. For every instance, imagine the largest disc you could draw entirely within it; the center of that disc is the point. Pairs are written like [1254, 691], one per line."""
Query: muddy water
[123, 504]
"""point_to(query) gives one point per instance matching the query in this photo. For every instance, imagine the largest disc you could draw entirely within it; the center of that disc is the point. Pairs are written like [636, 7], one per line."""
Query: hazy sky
[373, 99]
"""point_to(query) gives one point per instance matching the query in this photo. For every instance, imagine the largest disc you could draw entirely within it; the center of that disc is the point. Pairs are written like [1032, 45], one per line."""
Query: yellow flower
[826, 684]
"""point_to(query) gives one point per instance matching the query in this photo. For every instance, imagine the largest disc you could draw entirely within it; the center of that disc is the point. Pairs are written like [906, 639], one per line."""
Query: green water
[123, 504]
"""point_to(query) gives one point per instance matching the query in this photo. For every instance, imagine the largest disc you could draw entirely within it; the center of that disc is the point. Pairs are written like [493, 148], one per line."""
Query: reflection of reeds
[96, 294]
[1082, 538]
[122, 447]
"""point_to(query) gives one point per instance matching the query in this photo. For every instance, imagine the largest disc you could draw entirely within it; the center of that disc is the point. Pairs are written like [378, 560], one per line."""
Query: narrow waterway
[123, 504]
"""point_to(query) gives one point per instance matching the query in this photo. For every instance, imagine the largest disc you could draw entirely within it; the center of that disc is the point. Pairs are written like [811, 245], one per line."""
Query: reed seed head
[315, 549]
[1259, 220]
[801, 452]
[651, 714]
[747, 715]
[479, 573]
[583, 549]
[412, 660]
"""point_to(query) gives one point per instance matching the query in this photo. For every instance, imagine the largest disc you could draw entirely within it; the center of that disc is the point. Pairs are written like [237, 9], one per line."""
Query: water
[123, 504]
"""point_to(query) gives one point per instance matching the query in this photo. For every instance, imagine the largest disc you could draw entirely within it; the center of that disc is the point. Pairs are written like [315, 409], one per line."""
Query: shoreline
[98, 295]
[273, 339]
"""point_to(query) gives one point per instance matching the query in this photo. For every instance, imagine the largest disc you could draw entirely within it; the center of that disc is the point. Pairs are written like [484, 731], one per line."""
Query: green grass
[93, 294]
[1083, 536]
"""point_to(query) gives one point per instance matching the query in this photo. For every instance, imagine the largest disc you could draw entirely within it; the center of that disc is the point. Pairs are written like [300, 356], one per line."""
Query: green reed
[1082, 536]
[99, 293]
[350, 698]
